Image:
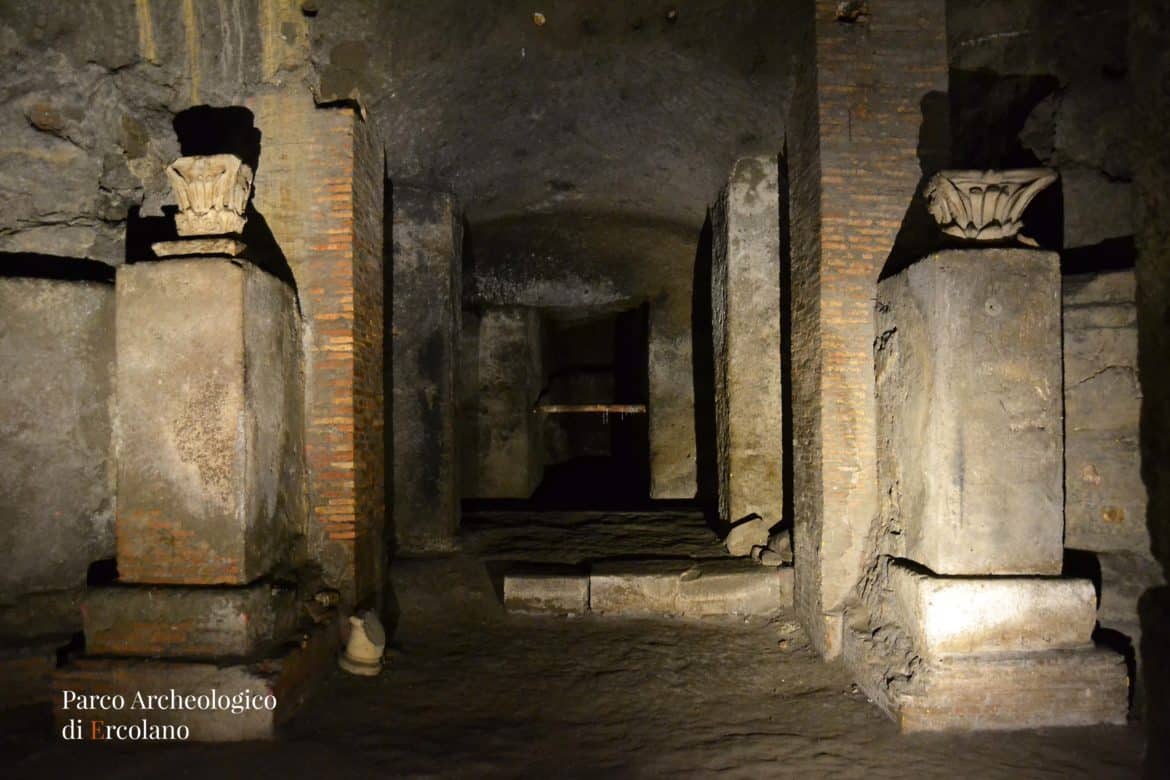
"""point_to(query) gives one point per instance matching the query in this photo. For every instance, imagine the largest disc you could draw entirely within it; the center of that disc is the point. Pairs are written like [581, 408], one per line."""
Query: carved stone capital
[212, 192]
[984, 205]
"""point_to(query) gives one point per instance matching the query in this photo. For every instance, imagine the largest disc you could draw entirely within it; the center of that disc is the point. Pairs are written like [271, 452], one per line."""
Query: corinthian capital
[984, 205]
[212, 192]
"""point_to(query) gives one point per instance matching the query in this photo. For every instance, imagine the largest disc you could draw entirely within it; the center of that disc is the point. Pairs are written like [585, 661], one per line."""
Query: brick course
[854, 130]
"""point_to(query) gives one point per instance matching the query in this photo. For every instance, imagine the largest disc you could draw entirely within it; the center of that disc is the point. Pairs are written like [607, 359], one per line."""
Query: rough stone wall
[501, 450]
[864, 95]
[89, 95]
[1149, 66]
[319, 189]
[424, 357]
[56, 494]
[1046, 82]
[1105, 500]
[745, 309]
[594, 263]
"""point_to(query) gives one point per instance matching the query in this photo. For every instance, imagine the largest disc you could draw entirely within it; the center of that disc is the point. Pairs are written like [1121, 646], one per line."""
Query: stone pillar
[671, 408]
[425, 305]
[320, 190]
[866, 91]
[501, 377]
[56, 471]
[964, 620]
[209, 444]
[745, 292]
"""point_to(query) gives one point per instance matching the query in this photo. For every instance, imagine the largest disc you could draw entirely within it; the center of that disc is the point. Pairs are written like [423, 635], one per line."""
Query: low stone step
[651, 588]
[547, 589]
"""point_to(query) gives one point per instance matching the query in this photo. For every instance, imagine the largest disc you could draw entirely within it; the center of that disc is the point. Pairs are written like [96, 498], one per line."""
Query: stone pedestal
[969, 400]
[745, 309]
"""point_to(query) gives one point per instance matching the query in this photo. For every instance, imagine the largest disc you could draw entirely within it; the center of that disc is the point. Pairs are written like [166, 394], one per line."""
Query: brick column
[320, 188]
[854, 130]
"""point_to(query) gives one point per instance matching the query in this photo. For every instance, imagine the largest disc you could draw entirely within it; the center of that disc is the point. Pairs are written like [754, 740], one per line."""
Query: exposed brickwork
[319, 187]
[853, 142]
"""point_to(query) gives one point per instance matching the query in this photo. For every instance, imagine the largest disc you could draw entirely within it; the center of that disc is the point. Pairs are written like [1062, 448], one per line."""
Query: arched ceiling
[634, 108]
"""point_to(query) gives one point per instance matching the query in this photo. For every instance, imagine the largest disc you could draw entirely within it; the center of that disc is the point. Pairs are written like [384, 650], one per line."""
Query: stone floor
[591, 697]
[472, 691]
[577, 537]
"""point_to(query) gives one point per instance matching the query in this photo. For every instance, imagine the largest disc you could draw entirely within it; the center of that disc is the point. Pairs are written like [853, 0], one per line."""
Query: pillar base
[187, 622]
[1083, 687]
[290, 676]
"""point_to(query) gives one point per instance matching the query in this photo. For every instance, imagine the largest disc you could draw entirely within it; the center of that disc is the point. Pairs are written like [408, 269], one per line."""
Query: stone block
[546, 590]
[1082, 687]
[688, 588]
[745, 309]
[968, 373]
[209, 412]
[422, 367]
[966, 615]
[57, 363]
[178, 622]
[746, 535]
[501, 446]
[290, 677]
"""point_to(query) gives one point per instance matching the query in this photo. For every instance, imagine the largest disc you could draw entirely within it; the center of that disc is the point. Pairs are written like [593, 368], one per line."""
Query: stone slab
[953, 616]
[421, 367]
[688, 588]
[559, 591]
[228, 247]
[178, 622]
[290, 676]
[968, 373]
[1056, 688]
[745, 310]
[209, 410]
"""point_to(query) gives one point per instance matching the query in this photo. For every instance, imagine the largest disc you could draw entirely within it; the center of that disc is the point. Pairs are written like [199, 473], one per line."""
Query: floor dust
[591, 697]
